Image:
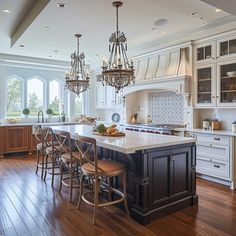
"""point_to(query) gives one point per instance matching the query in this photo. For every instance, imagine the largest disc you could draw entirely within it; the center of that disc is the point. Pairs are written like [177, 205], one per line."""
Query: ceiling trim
[28, 20]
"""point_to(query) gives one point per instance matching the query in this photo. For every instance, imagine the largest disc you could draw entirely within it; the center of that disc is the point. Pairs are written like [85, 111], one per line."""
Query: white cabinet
[205, 52]
[213, 86]
[205, 85]
[107, 98]
[100, 95]
[214, 156]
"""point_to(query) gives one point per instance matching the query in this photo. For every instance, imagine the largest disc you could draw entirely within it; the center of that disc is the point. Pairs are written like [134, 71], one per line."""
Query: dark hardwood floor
[29, 206]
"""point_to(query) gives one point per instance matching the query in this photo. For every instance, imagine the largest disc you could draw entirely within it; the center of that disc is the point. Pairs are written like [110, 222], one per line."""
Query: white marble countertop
[130, 143]
[205, 131]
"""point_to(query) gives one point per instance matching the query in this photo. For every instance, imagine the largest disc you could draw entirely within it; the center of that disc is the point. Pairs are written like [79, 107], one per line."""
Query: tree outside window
[14, 101]
[54, 96]
[78, 109]
[35, 96]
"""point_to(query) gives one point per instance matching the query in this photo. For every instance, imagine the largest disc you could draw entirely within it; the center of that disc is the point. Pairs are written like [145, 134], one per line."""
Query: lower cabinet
[215, 157]
[16, 139]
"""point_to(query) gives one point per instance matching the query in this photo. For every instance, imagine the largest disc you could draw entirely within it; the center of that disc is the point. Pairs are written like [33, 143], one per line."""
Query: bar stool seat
[105, 167]
[66, 157]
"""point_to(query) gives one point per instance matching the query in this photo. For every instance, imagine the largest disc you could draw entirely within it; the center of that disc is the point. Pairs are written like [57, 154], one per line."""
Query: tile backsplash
[166, 107]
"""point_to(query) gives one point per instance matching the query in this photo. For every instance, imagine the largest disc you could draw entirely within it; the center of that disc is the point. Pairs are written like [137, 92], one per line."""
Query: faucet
[40, 112]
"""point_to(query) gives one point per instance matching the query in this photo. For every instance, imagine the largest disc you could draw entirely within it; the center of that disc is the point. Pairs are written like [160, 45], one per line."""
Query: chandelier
[118, 72]
[77, 81]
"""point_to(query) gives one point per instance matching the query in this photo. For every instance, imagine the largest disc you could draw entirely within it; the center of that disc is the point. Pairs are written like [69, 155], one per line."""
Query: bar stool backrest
[86, 146]
[63, 141]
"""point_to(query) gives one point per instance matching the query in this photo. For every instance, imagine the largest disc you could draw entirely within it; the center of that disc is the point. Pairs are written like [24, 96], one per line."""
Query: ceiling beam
[28, 20]
[225, 5]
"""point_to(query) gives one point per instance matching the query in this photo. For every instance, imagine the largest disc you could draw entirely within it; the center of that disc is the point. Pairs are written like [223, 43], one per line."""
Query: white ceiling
[95, 20]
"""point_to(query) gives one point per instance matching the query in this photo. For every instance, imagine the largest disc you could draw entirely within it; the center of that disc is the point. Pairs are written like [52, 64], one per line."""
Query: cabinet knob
[213, 96]
[217, 139]
[216, 166]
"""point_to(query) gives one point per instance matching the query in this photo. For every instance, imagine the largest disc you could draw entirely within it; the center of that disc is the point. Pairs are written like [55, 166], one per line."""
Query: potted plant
[49, 112]
[26, 112]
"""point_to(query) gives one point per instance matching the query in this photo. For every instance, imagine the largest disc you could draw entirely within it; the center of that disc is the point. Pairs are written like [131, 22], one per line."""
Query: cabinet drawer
[213, 151]
[213, 167]
[213, 139]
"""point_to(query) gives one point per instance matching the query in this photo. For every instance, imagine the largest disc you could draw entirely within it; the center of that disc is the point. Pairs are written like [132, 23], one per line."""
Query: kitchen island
[161, 169]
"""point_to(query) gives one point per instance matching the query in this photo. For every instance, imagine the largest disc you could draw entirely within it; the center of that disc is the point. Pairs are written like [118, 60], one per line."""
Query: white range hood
[164, 70]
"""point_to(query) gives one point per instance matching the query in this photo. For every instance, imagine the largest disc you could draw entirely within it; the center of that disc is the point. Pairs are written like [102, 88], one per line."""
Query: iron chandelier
[77, 81]
[118, 71]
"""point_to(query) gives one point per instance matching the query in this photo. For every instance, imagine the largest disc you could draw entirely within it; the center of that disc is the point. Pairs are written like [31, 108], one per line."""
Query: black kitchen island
[161, 170]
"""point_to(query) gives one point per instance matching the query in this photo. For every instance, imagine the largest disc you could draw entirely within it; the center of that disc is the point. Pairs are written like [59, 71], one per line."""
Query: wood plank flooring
[29, 206]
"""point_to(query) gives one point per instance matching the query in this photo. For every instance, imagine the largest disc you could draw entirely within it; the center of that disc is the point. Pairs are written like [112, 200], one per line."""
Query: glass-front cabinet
[204, 85]
[226, 48]
[226, 83]
[204, 52]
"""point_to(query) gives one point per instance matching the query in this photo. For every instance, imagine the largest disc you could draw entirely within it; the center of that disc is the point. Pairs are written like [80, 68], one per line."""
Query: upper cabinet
[215, 73]
[204, 52]
[166, 63]
[226, 47]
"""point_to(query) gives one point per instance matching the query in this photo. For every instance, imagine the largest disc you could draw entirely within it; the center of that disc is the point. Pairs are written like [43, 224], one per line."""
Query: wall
[225, 115]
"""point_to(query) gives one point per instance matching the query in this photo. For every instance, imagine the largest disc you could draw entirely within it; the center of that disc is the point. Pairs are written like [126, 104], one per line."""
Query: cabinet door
[204, 86]
[100, 96]
[17, 139]
[226, 48]
[110, 97]
[226, 84]
[204, 53]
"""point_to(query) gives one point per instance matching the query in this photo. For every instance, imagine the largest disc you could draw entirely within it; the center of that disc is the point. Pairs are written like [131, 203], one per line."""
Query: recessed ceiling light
[194, 13]
[218, 10]
[154, 28]
[202, 17]
[22, 45]
[61, 5]
[163, 32]
[47, 27]
[55, 51]
[6, 11]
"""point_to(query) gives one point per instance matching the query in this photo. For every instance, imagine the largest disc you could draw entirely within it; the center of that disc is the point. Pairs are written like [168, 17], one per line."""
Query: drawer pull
[217, 139]
[216, 166]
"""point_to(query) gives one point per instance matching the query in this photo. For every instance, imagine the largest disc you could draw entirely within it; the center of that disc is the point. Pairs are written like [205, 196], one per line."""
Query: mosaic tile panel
[166, 108]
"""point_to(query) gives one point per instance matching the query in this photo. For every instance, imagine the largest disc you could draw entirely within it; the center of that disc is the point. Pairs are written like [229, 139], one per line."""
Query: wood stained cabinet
[16, 138]
[2, 141]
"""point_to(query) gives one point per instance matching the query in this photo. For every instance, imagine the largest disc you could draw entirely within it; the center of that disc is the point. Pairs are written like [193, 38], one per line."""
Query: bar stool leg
[96, 190]
[42, 166]
[46, 166]
[37, 167]
[61, 176]
[53, 166]
[125, 194]
[80, 191]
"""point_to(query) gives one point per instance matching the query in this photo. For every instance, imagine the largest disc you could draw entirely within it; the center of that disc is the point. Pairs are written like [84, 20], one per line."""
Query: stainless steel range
[167, 129]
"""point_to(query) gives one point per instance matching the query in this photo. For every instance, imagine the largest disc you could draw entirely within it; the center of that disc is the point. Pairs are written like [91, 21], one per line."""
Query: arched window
[54, 96]
[14, 97]
[35, 98]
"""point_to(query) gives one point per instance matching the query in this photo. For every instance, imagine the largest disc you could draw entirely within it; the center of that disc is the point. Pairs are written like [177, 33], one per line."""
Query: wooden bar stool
[69, 160]
[97, 170]
[52, 155]
[40, 148]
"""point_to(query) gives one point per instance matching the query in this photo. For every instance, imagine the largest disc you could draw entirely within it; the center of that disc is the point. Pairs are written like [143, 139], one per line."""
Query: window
[78, 108]
[54, 96]
[14, 101]
[35, 96]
